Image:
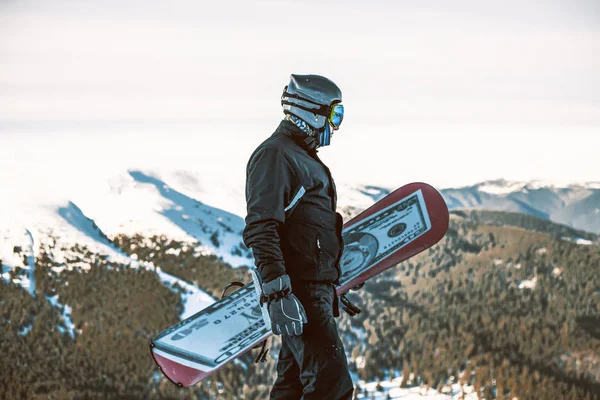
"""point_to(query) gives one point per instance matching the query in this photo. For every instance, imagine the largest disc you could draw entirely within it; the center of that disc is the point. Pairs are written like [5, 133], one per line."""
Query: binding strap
[347, 306]
[278, 295]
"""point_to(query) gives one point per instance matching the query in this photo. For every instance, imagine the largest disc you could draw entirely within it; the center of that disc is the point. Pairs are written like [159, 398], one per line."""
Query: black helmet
[310, 97]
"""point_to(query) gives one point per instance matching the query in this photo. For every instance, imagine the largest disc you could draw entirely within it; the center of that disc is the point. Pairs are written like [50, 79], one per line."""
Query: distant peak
[500, 186]
[503, 186]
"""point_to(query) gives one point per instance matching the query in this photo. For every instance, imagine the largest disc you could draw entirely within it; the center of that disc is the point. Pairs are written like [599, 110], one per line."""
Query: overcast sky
[444, 92]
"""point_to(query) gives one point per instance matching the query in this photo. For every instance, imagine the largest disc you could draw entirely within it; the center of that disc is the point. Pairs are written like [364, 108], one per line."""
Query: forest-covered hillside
[507, 311]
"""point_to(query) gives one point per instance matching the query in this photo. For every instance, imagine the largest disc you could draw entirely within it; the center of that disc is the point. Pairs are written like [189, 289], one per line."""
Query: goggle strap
[322, 110]
[295, 96]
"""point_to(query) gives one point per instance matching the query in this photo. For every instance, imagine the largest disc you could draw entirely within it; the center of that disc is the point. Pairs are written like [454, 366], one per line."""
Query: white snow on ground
[173, 204]
[66, 315]
[540, 184]
[501, 187]
[25, 330]
[174, 252]
[592, 185]
[136, 202]
[580, 241]
[184, 206]
[193, 298]
[528, 284]
[391, 390]
[63, 226]
[17, 250]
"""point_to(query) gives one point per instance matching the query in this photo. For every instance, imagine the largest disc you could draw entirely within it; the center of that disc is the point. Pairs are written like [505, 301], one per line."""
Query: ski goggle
[334, 112]
[336, 115]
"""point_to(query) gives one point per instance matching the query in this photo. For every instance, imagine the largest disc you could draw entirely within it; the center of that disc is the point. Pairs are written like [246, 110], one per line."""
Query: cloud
[440, 72]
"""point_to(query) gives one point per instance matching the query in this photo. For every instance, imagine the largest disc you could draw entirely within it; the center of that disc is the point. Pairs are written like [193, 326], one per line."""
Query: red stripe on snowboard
[179, 374]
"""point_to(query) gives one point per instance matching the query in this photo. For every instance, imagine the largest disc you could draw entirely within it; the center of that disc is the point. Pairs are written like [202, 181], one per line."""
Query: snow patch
[556, 271]
[528, 284]
[25, 330]
[66, 315]
[58, 270]
[174, 252]
[500, 187]
[592, 185]
[584, 242]
[360, 362]
[543, 250]
[384, 390]
[498, 261]
[193, 298]
[17, 250]
[581, 241]
[540, 184]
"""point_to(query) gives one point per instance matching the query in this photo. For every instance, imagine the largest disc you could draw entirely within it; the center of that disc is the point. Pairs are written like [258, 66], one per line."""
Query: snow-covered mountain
[181, 205]
[575, 205]
[208, 213]
[197, 207]
[200, 210]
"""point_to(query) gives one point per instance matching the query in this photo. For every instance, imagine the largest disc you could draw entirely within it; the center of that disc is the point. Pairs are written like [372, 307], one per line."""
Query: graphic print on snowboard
[382, 234]
[402, 224]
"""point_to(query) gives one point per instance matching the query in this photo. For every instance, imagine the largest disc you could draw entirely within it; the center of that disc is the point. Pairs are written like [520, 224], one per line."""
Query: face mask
[325, 135]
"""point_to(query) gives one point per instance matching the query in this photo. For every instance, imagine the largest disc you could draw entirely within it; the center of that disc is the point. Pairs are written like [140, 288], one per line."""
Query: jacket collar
[290, 130]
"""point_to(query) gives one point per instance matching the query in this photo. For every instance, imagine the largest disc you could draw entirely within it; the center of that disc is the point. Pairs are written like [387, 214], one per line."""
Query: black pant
[313, 365]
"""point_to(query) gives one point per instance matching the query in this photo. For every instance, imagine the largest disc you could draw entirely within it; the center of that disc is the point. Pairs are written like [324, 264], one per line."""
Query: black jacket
[292, 226]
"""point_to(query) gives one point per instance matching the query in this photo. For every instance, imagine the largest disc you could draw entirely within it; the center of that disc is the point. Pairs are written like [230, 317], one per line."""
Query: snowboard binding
[264, 351]
[347, 306]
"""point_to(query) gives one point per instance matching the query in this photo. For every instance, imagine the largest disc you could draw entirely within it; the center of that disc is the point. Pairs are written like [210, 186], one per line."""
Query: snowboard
[400, 225]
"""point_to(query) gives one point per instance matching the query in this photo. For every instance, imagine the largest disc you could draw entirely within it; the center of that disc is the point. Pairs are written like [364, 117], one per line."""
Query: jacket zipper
[333, 207]
[340, 251]
[319, 251]
[331, 183]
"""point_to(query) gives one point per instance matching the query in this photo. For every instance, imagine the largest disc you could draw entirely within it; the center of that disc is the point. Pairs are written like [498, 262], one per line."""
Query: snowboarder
[294, 232]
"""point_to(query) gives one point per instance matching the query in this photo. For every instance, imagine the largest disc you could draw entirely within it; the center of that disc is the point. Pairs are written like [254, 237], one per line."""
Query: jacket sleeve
[269, 178]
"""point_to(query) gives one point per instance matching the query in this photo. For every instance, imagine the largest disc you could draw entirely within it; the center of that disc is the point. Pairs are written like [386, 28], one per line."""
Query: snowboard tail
[397, 227]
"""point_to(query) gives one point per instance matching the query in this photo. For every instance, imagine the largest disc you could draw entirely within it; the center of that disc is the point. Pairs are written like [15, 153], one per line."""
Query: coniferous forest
[506, 304]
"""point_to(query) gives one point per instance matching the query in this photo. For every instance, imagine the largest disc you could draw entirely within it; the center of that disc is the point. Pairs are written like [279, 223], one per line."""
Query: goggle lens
[337, 115]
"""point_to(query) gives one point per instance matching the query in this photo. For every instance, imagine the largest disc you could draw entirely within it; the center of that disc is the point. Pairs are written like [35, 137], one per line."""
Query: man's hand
[286, 312]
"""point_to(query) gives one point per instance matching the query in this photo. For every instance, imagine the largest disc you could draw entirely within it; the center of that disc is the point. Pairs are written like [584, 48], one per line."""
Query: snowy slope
[191, 206]
[182, 205]
[17, 249]
[60, 227]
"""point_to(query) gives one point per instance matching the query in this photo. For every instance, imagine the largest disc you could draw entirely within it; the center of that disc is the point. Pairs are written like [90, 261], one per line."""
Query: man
[295, 235]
